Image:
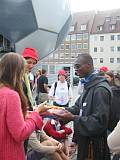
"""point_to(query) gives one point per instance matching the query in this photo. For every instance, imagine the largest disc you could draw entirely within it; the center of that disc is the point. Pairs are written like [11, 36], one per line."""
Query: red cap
[61, 72]
[30, 53]
[104, 69]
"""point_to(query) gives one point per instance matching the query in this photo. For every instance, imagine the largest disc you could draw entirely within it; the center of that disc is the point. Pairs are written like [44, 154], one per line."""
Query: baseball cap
[61, 72]
[30, 53]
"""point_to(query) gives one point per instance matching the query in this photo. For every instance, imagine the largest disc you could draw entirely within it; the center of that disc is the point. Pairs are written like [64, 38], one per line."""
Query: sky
[97, 5]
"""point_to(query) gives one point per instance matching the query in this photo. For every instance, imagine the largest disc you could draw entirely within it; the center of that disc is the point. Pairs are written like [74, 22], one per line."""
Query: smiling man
[31, 58]
[90, 112]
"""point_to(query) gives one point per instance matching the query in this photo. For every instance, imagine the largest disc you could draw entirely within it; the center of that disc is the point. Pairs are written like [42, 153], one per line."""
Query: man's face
[30, 63]
[81, 68]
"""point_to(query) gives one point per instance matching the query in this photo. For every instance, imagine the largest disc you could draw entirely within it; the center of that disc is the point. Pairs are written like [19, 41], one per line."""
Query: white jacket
[114, 139]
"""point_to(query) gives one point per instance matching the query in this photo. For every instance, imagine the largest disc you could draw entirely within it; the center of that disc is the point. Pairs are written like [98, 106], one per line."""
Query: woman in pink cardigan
[15, 127]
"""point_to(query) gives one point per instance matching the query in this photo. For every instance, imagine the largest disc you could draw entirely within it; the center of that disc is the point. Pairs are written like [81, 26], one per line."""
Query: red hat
[30, 53]
[104, 69]
[61, 72]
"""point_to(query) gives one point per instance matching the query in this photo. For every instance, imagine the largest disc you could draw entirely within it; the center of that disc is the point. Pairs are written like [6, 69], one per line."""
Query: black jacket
[92, 125]
[115, 108]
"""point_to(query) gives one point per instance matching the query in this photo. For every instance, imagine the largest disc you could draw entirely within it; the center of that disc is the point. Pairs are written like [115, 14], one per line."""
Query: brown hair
[111, 74]
[11, 73]
[40, 72]
[43, 71]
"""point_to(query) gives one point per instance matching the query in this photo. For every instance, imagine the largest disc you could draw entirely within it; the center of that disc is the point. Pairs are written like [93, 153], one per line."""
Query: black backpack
[55, 85]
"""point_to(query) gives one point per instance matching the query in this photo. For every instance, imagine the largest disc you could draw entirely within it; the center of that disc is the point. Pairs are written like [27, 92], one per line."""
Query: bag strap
[55, 85]
[68, 85]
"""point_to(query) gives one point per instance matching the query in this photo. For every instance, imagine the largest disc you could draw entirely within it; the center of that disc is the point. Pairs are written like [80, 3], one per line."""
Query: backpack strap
[55, 85]
[68, 85]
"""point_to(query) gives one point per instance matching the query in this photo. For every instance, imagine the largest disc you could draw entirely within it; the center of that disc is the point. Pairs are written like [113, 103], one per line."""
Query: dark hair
[86, 57]
[11, 73]
[43, 71]
[111, 74]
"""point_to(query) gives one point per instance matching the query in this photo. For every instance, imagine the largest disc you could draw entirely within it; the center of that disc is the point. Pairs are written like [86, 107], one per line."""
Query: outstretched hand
[42, 107]
[65, 116]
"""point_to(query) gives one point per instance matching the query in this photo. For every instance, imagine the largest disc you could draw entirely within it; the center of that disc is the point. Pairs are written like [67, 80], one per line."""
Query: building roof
[107, 20]
[82, 18]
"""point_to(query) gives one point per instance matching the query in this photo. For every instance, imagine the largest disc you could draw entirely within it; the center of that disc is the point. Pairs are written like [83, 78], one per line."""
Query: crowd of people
[29, 132]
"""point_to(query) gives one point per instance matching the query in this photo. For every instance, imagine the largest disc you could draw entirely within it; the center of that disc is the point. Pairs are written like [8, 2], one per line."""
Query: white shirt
[62, 94]
[114, 139]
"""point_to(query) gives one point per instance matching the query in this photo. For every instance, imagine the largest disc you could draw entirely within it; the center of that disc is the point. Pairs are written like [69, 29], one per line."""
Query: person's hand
[72, 148]
[65, 116]
[55, 142]
[61, 131]
[73, 144]
[42, 107]
[60, 147]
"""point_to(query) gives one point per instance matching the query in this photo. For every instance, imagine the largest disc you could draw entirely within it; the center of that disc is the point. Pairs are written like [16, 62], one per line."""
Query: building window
[85, 45]
[101, 60]
[118, 37]
[50, 56]
[68, 38]
[108, 19]
[73, 46]
[101, 38]
[118, 60]
[94, 60]
[67, 46]
[66, 55]
[118, 49]
[101, 49]
[62, 46]
[73, 37]
[100, 28]
[67, 51]
[79, 36]
[56, 55]
[95, 49]
[112, 37]
[79, 46]
[112, 27]
[118, 18]
[52, 69]
[85, 36]
[83, 27]
[95, 38]
[61, 55]
[112, 49]
[72, 29]
[111, 60]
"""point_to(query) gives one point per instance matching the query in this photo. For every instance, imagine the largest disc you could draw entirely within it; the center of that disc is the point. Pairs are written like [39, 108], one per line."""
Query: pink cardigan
[13, 128]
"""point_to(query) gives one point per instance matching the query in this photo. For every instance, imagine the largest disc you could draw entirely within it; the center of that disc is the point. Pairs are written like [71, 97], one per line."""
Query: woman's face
[108, 78]
[61, 78]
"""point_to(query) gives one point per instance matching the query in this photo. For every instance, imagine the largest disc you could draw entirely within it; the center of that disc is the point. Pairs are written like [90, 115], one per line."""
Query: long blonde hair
[11, 73]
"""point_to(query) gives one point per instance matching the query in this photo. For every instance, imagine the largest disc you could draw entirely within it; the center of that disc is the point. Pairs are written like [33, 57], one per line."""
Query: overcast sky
[88, 5]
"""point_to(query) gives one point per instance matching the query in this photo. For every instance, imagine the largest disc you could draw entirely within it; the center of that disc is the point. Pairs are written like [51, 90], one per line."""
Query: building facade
[95, 33]
[105, 39]
[5, 46]
[76, 42]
